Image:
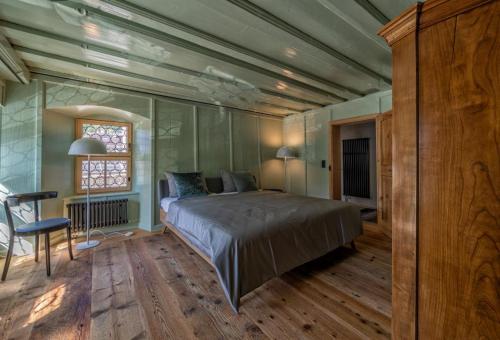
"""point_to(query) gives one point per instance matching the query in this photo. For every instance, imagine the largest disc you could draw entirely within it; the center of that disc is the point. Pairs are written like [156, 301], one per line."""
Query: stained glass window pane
[114, 136]
[105, 174]
[97, 171]
[116, 173]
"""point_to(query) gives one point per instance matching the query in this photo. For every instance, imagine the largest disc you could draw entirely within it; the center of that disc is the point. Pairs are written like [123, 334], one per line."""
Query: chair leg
[70, 250]
[353, 245]
[37, 246]
[47, 253]
[8, 258]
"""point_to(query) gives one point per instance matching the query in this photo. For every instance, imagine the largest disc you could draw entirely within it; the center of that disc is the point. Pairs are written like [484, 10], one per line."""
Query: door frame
[335, 154]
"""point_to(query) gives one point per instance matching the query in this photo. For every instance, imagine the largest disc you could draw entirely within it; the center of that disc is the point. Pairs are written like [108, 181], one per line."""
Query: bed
[251, 237]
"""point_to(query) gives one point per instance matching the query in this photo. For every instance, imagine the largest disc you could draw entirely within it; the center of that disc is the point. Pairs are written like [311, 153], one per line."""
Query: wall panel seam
[196, 137]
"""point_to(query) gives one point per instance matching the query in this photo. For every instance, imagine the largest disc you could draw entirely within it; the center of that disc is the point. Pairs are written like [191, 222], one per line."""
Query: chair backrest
[16, 199]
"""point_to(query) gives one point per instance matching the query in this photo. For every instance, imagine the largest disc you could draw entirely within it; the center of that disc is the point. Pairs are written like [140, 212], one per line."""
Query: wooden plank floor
[152, 286]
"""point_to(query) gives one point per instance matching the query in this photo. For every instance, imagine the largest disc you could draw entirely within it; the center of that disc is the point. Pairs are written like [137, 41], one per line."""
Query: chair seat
[44, 225]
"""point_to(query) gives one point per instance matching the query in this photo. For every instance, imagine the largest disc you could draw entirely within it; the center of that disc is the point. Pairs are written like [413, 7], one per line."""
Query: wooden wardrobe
[384, 171]
[446, 170]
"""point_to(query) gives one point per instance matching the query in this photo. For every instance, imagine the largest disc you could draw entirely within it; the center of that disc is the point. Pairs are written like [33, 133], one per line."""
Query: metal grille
[105, 173]
[102, 214]
[356, 169]
[114, 136]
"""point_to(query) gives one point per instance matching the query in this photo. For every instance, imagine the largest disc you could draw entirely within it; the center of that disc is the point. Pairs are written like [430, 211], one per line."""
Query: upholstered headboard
[214, 185]
[162, 189]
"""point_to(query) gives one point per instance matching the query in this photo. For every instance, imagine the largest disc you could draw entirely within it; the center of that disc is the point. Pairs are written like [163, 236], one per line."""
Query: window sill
[103, 194]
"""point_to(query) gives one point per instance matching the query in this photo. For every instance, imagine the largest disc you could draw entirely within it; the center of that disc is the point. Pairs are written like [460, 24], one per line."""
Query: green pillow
[189, 184]
[244, 181]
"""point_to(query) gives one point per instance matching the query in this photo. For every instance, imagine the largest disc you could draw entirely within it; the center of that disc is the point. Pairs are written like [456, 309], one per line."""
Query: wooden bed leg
[353, 245]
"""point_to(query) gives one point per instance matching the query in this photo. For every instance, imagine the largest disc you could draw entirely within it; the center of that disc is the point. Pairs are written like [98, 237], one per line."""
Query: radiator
[102, 214]
[356, 169]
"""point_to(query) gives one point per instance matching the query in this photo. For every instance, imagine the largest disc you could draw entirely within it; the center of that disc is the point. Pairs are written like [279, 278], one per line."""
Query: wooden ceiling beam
[373, 11]
[146, 61]
[99, 67]
[307, 38]
[193, 47]
[12, 62]
[55, 76]
[140, 11]
[133, 75]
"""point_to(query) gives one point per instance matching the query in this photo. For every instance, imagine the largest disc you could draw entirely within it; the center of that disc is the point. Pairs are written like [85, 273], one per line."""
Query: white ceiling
[277, 57]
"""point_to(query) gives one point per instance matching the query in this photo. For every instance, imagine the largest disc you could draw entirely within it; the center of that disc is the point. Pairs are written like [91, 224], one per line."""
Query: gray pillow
[171, 184]
[189, 184]
[244, 182]
[227, 181]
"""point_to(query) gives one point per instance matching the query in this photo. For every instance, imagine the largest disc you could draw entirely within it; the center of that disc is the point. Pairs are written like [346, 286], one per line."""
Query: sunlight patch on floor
[47, 303]
[20, 260]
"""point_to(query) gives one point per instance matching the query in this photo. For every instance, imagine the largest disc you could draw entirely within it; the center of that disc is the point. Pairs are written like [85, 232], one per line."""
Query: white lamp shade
[87, 146]
[286, 152]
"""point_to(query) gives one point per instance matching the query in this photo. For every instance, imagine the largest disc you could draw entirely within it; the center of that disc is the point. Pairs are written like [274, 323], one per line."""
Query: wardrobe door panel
[459, 177]
[404, 189]
[384, 172]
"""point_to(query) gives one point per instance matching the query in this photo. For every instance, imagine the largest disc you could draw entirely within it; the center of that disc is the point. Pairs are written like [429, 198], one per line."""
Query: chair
[34, 228]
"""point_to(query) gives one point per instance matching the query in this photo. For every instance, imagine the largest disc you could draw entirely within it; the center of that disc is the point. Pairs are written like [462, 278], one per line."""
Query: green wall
[19, 138]
[19, 155]
[57, 135]
[175, 137]
[37, 127]
[271, 139]
[213, 140]
[206, 138]
[245, 152]
[58, 132]
[308, 132]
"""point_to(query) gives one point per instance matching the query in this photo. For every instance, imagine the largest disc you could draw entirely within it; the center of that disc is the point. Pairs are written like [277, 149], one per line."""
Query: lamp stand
[89, 243]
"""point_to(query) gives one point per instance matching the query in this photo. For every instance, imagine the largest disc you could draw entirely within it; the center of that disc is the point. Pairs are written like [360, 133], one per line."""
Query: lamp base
[87, 245]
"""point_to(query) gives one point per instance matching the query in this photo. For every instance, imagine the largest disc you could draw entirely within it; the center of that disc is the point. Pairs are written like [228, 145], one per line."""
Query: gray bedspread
[255, 236]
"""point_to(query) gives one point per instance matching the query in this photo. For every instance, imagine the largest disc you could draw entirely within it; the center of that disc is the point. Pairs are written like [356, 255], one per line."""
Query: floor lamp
[286, 153]
[87, 147]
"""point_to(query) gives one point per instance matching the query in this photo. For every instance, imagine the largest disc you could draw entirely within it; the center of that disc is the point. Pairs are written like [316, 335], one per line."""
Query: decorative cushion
[171, 184]
[227, 181]
[244, 182]
[214, 185]
[189, 184]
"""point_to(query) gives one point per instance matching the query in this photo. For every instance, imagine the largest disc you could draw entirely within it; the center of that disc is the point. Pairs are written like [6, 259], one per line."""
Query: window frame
[126, 156]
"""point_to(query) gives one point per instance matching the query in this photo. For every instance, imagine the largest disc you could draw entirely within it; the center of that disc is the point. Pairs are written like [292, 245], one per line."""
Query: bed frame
[214, 184]
[168, 226]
